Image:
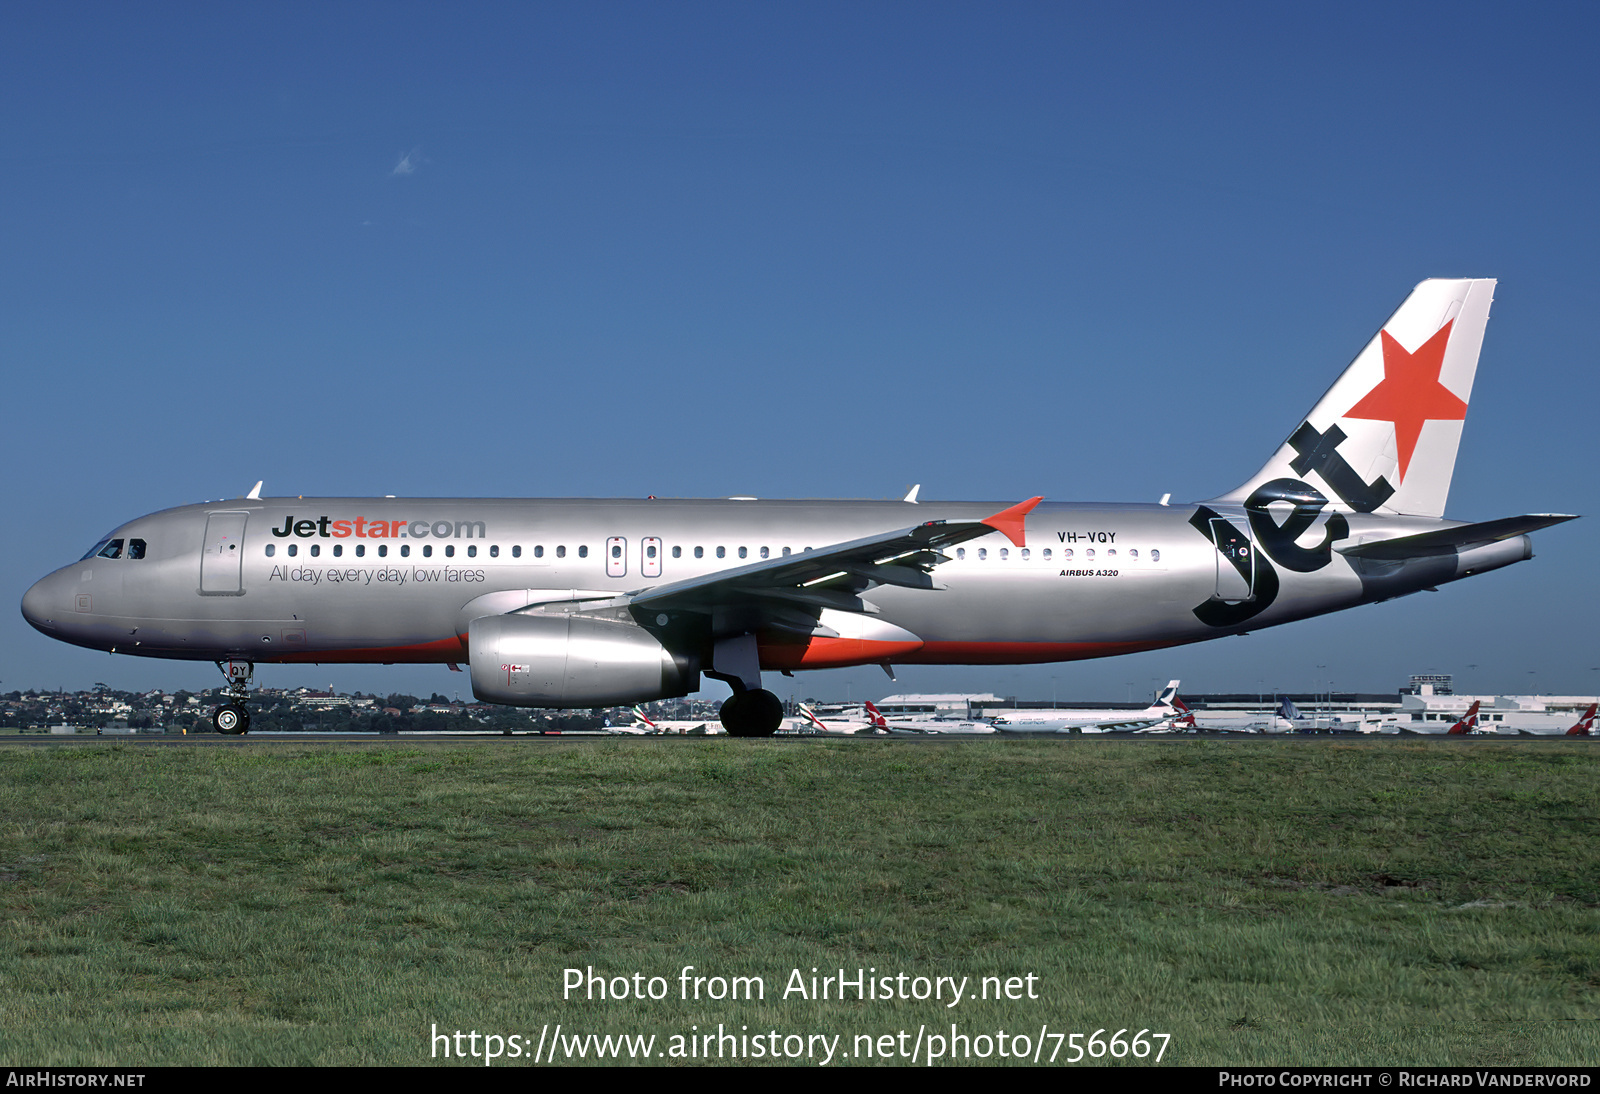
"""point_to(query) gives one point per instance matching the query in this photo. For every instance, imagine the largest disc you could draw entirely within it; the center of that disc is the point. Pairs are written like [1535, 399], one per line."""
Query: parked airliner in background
[1163, 712]
[582, 603]
[911, 726]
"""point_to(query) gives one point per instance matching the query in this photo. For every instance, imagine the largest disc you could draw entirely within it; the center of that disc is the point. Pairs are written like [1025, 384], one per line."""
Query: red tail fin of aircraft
[876, 717]
[1468, 723]
[1585, 726]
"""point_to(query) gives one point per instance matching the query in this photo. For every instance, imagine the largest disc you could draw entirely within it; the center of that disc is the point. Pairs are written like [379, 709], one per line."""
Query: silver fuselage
[399, 580]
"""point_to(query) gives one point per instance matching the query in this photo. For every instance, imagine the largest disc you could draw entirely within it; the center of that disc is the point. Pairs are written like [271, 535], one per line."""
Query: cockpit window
[96, 549]
[113, 549]
[136, 548]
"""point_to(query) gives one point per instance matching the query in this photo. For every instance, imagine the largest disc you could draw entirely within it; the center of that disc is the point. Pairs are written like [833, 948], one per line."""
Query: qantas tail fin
[1384, 437]
[1468, 723]
[1585, 726]
[876, 717]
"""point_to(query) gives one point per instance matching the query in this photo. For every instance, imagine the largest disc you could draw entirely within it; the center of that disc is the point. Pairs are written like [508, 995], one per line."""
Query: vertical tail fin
[1585, 725]
[1468, 723]
[1385, 435]
[1164, 701]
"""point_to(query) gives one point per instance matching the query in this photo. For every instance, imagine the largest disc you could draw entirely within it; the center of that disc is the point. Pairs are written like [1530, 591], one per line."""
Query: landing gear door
[222, 559]
[1236, 563]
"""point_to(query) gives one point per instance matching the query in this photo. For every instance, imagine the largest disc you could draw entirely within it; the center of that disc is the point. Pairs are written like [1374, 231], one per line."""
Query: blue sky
[808, 250]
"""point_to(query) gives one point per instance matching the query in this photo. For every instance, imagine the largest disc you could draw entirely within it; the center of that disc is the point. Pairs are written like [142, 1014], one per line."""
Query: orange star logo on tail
[1411, 393]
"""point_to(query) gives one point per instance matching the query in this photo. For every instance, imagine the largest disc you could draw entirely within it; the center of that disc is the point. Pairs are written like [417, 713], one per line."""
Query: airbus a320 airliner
[582, 603]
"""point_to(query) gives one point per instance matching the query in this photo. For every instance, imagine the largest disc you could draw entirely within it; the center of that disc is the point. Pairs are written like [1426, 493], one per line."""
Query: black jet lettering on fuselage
[1278, 540]
[1273, 541]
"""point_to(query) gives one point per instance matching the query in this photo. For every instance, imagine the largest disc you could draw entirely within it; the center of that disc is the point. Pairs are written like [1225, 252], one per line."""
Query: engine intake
[572, 661]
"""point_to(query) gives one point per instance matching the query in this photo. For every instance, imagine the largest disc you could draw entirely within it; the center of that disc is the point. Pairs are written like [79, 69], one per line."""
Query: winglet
[1010, 521]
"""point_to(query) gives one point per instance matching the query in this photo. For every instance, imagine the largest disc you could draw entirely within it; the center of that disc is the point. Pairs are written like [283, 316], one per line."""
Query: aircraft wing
[782, 589]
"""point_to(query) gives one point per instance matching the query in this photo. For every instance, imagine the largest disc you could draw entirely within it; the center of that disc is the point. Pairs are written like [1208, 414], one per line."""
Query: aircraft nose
[41, 604]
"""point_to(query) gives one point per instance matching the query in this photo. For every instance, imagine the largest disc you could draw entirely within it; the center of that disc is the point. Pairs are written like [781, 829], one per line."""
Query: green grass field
[1363, 903]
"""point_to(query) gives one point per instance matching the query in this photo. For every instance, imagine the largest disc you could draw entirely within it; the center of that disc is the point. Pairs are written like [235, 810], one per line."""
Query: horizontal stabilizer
[1453, 540]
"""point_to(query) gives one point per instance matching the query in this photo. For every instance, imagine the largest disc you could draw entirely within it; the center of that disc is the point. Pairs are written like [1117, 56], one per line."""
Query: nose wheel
[233, 717]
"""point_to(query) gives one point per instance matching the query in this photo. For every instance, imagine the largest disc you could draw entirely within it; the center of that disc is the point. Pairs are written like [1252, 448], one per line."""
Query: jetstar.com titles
[325, 527]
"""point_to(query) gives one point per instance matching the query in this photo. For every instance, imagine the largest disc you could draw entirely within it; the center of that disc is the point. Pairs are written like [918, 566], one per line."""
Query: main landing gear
[751, 711]
[756, 713]
[233, 717]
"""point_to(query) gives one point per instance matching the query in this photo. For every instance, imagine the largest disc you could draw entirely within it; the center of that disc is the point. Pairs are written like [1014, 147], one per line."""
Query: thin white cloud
[408, 163]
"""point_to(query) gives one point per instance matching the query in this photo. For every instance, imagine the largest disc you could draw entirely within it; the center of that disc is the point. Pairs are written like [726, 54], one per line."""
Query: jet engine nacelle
[572, 661]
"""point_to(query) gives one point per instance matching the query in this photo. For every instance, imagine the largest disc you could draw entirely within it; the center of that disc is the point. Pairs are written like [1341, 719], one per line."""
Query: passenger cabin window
[561, 552]
[472, 552]
[677, 552]
[427, 550]
[361, 550]
[272, 549]
[583, 552]
[405, 550]
[294, 549]
[983, 553]
[744, 552]
[316, 550]
[699, 552]
[722, 552]
[1155, 556]
[338, 550]
[383, 550]
[112, 549]
[450, 551]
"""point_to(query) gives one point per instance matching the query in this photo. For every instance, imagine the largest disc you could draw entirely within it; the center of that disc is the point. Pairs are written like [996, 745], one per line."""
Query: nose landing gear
[233, 717]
